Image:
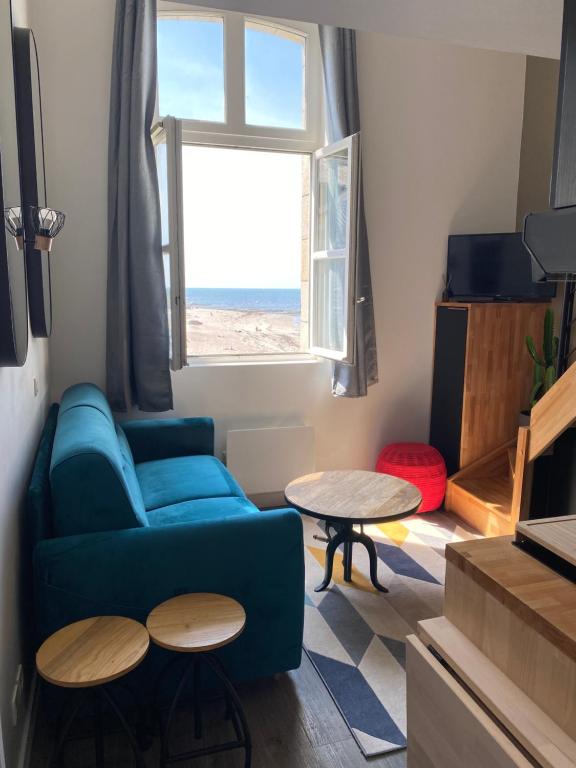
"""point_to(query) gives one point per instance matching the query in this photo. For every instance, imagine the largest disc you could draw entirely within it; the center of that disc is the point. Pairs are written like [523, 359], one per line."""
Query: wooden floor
[293, 720]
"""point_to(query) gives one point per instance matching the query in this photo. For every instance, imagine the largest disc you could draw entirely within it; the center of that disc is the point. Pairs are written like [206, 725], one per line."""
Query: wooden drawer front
[446, 727]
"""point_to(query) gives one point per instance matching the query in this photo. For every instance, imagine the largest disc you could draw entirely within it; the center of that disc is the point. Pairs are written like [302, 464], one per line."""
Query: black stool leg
[98, 729]
[218, 669]
[229, 713]
[143, 728]
[56, 760]
[165, 728]
[196, 694]
[109, 699]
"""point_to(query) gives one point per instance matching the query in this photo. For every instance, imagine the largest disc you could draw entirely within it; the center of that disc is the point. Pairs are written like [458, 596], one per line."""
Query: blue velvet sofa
[124, 517]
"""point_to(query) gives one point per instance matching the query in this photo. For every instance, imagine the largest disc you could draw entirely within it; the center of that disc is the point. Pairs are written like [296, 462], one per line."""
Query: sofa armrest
[257, 558]
[152, 439]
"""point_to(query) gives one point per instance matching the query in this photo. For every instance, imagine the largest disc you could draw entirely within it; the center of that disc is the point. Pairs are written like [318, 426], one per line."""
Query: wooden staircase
[493, 493]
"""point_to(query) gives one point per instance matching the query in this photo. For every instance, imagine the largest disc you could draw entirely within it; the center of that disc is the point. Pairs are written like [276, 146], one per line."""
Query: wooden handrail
[522, 489]
[553, 414]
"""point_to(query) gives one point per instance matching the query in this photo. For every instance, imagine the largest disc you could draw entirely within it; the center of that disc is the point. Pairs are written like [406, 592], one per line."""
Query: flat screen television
[492, 268]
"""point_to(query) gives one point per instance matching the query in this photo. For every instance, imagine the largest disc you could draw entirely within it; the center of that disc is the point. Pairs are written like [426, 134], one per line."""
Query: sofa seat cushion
[221, 508]
[172, 481]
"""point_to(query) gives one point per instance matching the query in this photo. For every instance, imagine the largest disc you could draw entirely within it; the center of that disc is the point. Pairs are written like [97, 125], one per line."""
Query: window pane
[191, 68]
[332, 202]
[244, 237]
[275, 62]
[329, 303]
[162, 171]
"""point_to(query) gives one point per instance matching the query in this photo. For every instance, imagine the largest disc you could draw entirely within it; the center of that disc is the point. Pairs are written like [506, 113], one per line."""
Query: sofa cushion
[86, 394]
[221, 508]
[94, 487]
[185, 478]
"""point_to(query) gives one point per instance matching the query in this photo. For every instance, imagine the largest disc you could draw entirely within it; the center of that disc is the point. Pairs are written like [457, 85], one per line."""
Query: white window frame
[235, 133]
[348, 352]
[169, 131]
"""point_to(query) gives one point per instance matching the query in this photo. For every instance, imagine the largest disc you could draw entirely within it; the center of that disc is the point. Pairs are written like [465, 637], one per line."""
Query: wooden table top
[92, 652]
[356, 496]
[196, 622]
[530, 589]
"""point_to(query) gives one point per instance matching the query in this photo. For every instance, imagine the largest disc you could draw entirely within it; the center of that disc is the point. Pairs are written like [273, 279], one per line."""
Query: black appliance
[494, 267]
[551, 236]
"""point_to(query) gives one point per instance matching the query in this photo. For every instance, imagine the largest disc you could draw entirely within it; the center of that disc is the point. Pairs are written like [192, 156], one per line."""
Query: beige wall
[537, 135]
[442, 131]
[21, 417]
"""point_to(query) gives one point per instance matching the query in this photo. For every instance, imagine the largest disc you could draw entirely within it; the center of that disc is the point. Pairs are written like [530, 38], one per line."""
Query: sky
[242, 208]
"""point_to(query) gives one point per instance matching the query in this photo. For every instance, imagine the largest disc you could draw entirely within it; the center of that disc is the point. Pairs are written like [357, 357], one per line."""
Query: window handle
[361, 300]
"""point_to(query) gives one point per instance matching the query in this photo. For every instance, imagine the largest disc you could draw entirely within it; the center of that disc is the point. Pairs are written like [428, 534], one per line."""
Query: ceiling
[530, 27]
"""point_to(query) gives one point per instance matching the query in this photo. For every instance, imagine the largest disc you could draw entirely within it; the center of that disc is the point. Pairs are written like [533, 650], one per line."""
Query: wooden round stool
[87, 655]
[197, 624]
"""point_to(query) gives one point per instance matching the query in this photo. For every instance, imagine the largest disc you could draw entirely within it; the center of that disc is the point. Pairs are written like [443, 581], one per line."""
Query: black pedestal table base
[346, 535]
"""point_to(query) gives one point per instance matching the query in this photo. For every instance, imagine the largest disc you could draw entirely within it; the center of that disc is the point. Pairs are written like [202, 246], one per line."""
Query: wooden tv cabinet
[493, 681]
[482, 376]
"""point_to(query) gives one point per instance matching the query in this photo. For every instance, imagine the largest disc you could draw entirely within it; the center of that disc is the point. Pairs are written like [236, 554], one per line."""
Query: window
[240, 120]
[334, 250]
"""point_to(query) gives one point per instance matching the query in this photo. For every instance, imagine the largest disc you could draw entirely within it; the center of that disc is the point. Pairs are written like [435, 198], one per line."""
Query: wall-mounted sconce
[47, 224]
[14, 225]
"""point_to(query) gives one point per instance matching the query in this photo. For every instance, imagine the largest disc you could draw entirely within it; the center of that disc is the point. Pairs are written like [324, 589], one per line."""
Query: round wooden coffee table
[345, 498]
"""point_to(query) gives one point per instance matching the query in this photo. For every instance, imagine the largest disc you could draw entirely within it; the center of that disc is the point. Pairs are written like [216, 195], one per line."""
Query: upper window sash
[234, 131]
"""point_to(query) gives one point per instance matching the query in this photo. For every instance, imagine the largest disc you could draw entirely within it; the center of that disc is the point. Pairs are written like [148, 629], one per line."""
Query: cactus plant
[544, 362]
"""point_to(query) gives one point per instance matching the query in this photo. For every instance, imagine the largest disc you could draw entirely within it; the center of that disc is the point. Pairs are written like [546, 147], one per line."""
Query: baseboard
[25, 751]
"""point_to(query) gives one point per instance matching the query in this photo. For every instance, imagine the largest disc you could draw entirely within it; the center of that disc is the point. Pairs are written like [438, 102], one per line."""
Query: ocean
[258, 299]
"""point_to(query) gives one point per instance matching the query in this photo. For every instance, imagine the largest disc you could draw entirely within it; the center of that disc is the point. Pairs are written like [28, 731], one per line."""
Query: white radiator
[266, 460]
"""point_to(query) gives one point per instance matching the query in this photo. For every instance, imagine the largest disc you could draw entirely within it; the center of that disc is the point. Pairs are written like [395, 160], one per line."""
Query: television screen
[492, 268]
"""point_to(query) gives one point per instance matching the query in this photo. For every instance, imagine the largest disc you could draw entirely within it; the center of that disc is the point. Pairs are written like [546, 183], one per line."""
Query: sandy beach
[232, 332]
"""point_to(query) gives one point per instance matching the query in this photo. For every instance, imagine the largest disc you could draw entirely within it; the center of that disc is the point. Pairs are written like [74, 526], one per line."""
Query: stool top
[92, 652]
[196, 622]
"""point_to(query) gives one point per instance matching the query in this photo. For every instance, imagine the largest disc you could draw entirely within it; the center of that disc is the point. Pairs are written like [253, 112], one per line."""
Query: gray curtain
[343, 119]
[137, 339]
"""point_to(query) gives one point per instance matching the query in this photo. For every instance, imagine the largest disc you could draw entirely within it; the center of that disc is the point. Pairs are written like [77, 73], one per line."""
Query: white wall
[442, 127]
[75, 51]
[530, 27]
[21, 419]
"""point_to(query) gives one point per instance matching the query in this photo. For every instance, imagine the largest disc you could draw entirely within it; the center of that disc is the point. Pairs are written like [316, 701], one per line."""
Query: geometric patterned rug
[355, 635]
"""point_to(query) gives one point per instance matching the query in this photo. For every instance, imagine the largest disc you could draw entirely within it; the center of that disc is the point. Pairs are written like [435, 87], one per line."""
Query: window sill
[252, 360]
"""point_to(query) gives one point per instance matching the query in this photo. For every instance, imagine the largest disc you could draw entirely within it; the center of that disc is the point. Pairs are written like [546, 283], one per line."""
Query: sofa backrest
[39, 502]
[92, 475]
[86, 394]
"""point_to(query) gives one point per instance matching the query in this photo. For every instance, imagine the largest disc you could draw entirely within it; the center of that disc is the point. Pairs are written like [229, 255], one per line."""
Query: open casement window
[333, 254]
[167, 138]
[240, 112]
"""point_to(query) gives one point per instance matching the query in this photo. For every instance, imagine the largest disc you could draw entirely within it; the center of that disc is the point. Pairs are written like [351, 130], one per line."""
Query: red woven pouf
[421, 465]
